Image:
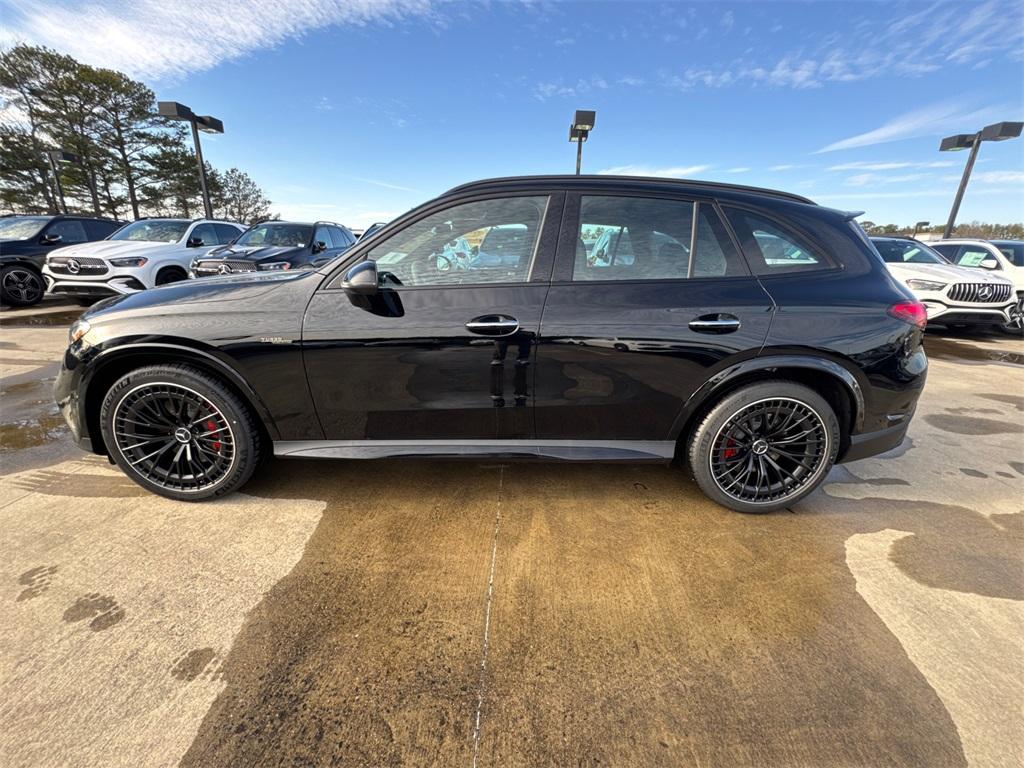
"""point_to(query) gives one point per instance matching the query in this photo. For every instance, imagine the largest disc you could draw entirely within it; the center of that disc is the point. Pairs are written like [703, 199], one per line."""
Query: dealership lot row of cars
[962, 282]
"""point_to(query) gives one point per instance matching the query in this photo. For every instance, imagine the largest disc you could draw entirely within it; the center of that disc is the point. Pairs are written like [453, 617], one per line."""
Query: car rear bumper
[873, 443]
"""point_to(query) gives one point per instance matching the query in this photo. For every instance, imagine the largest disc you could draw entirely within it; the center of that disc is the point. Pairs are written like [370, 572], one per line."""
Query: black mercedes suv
[277, 246]
[751, 333]
[26, 240]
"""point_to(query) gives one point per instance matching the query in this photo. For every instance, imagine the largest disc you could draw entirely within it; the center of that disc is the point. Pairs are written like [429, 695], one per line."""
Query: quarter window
[637, 238]
[771, 249]
[489, 241]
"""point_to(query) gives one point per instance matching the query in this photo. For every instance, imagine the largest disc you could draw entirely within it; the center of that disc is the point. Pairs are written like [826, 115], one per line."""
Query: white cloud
[999, 177]
[867, 165]
[161, 40]
[783, 167]
[728, 19]
[925, 121]
[647, 170]
[545, 91]
[384, 184]
[738, 169]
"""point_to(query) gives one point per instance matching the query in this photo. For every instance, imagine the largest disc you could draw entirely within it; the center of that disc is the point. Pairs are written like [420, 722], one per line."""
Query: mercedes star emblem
[74, 266]
[985, 292]
[224, 269]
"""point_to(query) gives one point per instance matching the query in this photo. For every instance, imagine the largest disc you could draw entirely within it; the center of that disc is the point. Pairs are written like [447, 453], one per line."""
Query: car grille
[216, 267]
[82, 265]
[980, 293]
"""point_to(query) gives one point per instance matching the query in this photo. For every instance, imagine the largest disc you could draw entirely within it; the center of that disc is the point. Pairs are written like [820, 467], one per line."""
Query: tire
[169, 275]
[752, 477]
[21, 286]
[142, 417]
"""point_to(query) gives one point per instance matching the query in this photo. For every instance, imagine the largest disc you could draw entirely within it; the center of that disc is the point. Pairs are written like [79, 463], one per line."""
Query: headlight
[926, 285]
[275, 266]
[129, 261]
[77, 330]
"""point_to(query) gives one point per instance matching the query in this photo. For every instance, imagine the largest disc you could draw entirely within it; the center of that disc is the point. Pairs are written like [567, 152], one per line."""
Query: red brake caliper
[212, 425]
[729, 451]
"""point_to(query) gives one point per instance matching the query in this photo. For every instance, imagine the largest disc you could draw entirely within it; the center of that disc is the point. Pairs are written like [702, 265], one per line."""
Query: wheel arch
[115, 363]
[834, 382]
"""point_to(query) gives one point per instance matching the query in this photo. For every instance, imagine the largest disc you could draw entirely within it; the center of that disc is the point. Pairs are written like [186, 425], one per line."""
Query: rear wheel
[179, 432]
[21, 286]
[764, 446]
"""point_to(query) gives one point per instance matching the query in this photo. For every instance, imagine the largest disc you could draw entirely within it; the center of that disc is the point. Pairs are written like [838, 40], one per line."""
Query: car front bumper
[115, 285]
[968, 314]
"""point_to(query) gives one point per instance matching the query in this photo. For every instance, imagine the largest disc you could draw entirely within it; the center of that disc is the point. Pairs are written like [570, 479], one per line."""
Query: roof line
[639, 179]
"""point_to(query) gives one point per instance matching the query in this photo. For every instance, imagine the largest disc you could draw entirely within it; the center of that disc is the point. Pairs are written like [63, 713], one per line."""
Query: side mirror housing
[51, 239]
[194, 242]
[989, 263]
[361, 280]
[319, 246]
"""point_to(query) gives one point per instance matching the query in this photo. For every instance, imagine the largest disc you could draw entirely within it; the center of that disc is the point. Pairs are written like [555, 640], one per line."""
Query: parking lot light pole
[920, 225]
[205, 123]
[582, 125]
[60, 156]
[972, 141]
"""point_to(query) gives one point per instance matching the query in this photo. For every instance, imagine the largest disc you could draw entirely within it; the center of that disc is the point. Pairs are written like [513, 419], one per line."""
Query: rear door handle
[720, 323]
[493, 325]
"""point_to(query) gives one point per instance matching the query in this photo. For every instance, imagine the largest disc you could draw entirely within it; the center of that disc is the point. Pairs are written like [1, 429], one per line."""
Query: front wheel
[21, 286]
[1016, 325]
[180, 432]
[764, 446]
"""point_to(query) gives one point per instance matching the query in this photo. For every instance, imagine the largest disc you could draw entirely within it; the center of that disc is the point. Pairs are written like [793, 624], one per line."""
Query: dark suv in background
[26, 240]
[277, 246]
[751, 333]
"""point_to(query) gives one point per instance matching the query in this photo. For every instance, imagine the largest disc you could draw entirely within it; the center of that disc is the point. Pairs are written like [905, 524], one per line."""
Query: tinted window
[636, 238]
[1014, 251]
[98, 230]
[907, 252]
[225, 233]
[206, 233]
[770, 248]
[323, 235]
[341, 237]
[70, 231]
[445, 248]
[947, 250]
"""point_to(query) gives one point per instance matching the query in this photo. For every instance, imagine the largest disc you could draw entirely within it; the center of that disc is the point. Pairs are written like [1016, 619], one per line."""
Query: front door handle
[493, 325]
[720, 323]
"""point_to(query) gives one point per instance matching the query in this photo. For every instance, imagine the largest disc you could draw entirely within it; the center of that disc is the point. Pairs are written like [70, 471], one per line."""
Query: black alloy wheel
[21, 286]
[765, 446]
[179, 432]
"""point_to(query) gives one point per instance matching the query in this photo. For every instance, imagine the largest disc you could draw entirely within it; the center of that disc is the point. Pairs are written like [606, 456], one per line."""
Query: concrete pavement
[487, 613]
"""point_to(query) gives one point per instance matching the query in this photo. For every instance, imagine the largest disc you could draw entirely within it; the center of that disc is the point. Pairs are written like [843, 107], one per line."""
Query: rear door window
[69, 230]
[98, 230]
[206, 233]
[638, 238]
[226, 233]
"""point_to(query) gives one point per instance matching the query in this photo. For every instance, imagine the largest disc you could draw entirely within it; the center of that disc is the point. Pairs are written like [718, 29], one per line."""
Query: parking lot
[502, 614]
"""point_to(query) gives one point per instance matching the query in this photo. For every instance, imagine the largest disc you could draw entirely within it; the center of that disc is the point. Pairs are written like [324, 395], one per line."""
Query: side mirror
[319, 246]
[361, 280]
[194, 242]
[51, 239]
[988, 264]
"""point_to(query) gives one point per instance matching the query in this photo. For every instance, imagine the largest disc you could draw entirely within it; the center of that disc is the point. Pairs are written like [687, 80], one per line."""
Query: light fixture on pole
[60, 156]
[205, 123]
[920, 225]
[972, 141]
[582, 125]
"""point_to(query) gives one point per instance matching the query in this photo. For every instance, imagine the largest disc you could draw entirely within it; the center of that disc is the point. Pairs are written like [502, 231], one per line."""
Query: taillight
[912, 312]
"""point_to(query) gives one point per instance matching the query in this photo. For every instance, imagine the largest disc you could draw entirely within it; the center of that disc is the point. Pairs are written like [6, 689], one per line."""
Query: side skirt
[569, 450]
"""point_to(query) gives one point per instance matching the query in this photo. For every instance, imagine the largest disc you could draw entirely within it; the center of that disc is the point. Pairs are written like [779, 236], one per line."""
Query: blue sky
[359, 110]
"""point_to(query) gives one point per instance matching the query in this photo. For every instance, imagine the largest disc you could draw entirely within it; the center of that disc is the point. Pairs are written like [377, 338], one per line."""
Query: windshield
[908, 252]
[21, 227]
[1012, 249]
[289, 235]
[152, 231]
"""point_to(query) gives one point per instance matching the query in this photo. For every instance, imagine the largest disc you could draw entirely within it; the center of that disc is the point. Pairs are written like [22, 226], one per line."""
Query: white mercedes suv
[140, 255]
[952, 295]
[1002, 257]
